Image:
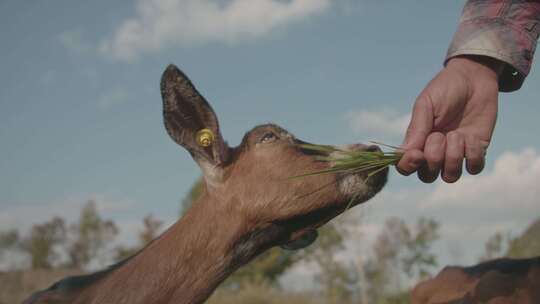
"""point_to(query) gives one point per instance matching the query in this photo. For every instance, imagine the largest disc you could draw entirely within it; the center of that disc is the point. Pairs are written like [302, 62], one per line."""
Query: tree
[267, 268]
[527, 244]
[8, 240]
[41, 243]
[260, 294]
[151, 228]
[493, 247]
[397, 249]
[90, 235]
[418, 259]
[336, 278]
[382, 270]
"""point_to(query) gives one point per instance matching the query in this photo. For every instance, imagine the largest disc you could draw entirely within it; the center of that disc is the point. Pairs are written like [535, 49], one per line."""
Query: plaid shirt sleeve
[503, 29]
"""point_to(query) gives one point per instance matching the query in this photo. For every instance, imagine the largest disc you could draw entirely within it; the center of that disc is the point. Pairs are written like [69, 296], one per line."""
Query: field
[17, 285]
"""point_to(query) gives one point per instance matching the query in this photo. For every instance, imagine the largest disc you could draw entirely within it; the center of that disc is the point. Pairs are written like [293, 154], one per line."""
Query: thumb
[420, 125]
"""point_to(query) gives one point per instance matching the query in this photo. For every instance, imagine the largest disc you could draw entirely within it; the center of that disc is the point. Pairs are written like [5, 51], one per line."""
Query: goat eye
[268, 137]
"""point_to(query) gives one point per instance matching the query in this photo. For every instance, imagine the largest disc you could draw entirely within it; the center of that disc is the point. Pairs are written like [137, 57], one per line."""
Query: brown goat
[249, 204]
[500, 281]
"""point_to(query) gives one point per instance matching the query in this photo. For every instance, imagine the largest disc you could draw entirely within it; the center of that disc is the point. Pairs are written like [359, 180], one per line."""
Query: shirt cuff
[500, 39]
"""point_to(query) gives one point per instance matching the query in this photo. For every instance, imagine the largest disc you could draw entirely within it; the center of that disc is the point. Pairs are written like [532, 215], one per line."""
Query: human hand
[453, 119]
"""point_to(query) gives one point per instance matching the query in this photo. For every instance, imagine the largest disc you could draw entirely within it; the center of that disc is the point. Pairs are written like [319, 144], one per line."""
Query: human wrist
[474, 64]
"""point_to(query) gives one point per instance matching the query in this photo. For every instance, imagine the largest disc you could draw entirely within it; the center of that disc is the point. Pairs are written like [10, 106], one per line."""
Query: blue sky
[80, 108]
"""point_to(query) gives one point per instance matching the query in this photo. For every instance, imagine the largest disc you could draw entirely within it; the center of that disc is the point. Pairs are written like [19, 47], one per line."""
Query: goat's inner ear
[305, 239]
[190, 120]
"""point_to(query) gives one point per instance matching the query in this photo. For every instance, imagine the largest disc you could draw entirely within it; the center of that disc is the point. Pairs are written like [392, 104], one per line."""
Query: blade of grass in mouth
[372, 162]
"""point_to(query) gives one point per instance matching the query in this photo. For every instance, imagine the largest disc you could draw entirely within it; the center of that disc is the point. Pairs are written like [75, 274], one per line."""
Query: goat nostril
[373, 148]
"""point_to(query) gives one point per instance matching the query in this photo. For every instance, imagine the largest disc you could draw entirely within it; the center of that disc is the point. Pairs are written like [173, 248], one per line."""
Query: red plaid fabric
[503, 29]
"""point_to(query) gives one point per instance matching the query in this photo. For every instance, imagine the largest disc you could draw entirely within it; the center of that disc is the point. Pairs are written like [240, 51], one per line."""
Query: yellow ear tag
[205, 137]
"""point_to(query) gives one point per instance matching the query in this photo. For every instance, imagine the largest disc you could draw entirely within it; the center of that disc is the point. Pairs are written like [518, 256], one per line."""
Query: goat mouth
[360, 186]
[361, 171]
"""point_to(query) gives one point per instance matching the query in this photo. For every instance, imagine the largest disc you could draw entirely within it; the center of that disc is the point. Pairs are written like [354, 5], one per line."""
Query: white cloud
[380, 122]
[163, 23]
[513, 183]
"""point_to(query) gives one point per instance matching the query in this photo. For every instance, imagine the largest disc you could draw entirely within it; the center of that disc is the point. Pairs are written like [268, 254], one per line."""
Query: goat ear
[190, 121]
[305, 239]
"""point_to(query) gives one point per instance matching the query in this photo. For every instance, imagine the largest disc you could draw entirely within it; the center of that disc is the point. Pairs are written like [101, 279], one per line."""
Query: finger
[420, 125]
[434, 152]
[453, 159]
[474, 154]
[410, 162]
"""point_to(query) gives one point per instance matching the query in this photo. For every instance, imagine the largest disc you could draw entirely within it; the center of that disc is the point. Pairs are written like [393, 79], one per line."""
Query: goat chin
[358, 185]
[361, 187]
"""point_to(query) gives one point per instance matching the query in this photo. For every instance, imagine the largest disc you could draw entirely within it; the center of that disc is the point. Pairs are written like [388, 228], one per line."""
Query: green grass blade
[372, 162]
